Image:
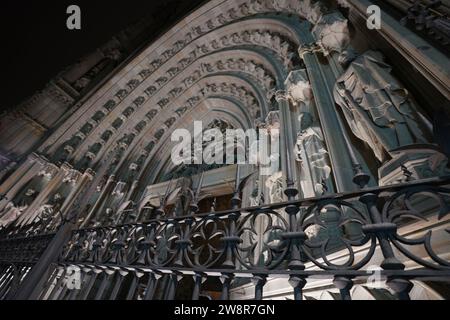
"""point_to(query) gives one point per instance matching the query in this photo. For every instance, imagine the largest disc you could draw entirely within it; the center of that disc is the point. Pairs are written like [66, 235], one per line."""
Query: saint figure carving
[377, 107]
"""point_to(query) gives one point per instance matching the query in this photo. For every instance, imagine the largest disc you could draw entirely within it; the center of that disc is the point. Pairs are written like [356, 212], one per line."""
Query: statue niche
[377, 107]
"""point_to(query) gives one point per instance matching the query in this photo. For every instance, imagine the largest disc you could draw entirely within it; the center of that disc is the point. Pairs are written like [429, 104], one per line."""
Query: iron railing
[260, 242]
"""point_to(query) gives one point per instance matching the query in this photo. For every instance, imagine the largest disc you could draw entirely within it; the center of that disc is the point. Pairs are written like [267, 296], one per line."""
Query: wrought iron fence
[296, 240]
[17, 257]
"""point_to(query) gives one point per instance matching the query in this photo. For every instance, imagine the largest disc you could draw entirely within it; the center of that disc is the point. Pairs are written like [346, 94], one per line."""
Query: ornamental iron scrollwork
[262, 238]
[416, 204]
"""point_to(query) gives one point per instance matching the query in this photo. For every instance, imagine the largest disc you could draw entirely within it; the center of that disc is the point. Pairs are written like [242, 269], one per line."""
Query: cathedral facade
[354, 203]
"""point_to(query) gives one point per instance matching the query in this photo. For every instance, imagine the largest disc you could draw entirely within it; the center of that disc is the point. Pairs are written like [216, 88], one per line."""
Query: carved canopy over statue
[377, 107]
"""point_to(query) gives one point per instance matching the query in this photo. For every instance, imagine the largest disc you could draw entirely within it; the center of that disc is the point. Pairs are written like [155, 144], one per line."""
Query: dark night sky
[36, 44]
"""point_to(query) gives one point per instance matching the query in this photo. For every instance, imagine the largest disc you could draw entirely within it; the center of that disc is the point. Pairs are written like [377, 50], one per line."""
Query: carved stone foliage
[241, 93]
[265, 78]
[298, 87]
[310, 10]
[272, 40]
[332, 33]
[275, 186]
[419, 162]
[255, 70]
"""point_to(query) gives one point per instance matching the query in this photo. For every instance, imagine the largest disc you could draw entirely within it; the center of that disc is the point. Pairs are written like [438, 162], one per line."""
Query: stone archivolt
[251, 68]
[240, 93]
[256, 37]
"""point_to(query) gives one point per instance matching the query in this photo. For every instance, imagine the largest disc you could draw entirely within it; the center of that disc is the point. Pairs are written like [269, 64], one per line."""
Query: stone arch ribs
[231, 91]
[253, 66]
[155, 69]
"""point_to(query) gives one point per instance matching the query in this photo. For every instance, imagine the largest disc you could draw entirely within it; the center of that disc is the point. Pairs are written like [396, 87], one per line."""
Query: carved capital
[308, 48]
[281, 95]
[72, 176]
[298, 87]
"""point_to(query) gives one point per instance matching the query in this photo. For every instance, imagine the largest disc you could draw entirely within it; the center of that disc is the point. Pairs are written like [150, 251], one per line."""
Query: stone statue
[310, 149]
[377, 107]
[311, 152]
[276, 187]
[12, 211]
[49, 216]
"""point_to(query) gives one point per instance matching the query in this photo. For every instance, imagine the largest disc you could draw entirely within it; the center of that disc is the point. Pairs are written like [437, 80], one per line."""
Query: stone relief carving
[276, 187]
[298, 87]
[121, 94]
[257, 71]
[140, 126]
[240, 93]
[377, 107]
[311, 10]
[49, 171]
[151, 114]
[71, 176]
[332, 33]
[48, 214]
[310, 149]
[15, 208]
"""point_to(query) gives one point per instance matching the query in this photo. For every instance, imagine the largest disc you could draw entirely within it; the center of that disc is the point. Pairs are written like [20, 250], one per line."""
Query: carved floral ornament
[210, 89]
[332, 33]
[244, 95]
[71, 176]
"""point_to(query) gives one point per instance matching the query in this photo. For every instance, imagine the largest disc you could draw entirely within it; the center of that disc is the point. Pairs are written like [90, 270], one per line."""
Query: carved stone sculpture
[311, 151]
[275, 185]
[332, 33]
[377, 107]
[13, 210]
[49, 217]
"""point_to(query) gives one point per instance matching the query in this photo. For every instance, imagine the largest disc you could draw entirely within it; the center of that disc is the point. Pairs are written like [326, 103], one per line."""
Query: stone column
[330, 35]
[286, 140]
[311, 152]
